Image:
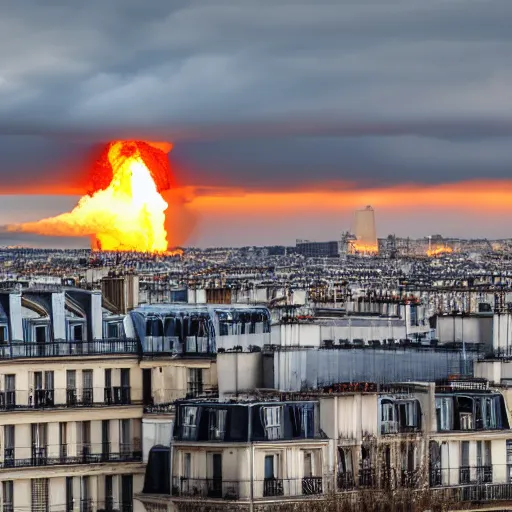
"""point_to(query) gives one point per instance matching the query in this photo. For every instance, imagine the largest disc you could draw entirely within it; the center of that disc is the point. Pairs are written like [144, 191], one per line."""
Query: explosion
[123, 210]
[438, 250]
[363, 248]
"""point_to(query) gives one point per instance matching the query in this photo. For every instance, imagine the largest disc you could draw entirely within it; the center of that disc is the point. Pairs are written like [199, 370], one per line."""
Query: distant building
[317, 249]
[364, 230]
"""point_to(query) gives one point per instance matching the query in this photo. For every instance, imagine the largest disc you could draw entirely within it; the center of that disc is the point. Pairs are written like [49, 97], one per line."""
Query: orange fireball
[124, 210]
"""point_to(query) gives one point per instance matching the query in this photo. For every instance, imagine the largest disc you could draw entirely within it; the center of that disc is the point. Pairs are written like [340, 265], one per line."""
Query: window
[39, 441]
[8, 496]
[195, 381]
[125, 377]
[345, 472]
[113, 330]
[109, 493]
[9, 445]
[69, 494]
[408, 414]
[388, 417]
[270, 469]
[86, 438]
[10, 391]
[63, 439]
[490, 408]
[509, 460]
[87, 389]
[189, 422]
[40, 334]
[154, 327]
[71, 387]
[217, 424]
[3, 334]
[85, 494]
[444, 413]
[465, 472]
[308, 464]
[187, 468]
[77, 332]
[126, 493]
[272, 422]
[125, 436]
[40, 495]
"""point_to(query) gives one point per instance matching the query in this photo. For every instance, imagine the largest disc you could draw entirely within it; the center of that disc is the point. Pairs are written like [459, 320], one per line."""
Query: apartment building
[447, 443]
[78, 378]
[248, 452]
[70, 404]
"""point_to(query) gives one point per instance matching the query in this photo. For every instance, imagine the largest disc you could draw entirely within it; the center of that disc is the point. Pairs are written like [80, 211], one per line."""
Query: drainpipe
[336, 441]
[171, 456]
[249, 433]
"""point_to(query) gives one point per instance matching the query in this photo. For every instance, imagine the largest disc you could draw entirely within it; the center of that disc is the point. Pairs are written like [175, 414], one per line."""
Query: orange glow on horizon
[491, 195]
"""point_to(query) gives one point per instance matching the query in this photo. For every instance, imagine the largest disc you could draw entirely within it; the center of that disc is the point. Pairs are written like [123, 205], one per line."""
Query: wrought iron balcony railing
[66, 454]
[21, 349]
[217, 488]
[69, 398]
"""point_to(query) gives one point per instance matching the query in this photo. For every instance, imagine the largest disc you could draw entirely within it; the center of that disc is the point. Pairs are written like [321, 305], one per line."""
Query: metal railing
[69, 397]
[219, 488]
[476, 474]
[20, 349]
[66, 454]
[488, 492]
[162, 400]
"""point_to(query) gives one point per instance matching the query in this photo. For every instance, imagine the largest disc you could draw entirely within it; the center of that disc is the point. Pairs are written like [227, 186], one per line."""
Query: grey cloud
[371, 91]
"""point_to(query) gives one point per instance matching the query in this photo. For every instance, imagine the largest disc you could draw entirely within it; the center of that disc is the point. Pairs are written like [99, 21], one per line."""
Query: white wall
[474, 329]
[502, 332]
[239, 371]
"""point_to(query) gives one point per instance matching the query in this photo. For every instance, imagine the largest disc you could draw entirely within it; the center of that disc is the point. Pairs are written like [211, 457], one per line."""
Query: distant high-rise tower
[364, 231]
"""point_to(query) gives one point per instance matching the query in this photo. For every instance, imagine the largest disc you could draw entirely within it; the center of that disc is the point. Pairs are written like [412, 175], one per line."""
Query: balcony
[17, 350]
[346, 481]
[68, 398]
[206, 488]
[273, 487]
[435, 477]
[311, 485]
[477, 474]
[66, 454]
[476, 493]
[269, 488]
[484, 474]
[86, 505]
[162, 400]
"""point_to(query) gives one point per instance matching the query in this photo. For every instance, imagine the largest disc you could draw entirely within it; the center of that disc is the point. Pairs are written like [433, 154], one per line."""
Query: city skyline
[275, 138]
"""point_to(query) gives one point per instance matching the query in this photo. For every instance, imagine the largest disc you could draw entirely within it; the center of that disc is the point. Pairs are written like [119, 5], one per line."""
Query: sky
[285, 116]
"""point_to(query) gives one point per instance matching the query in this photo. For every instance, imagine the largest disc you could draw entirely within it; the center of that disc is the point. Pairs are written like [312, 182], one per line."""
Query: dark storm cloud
[373, 92]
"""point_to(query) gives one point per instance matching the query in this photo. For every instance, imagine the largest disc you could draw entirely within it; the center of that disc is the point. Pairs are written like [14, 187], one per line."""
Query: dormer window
[113, 330]
[3, 334]
[409, 414]
[444, 412]
[388, 418]
[217, 424]
[189, 422]
[272, 422]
